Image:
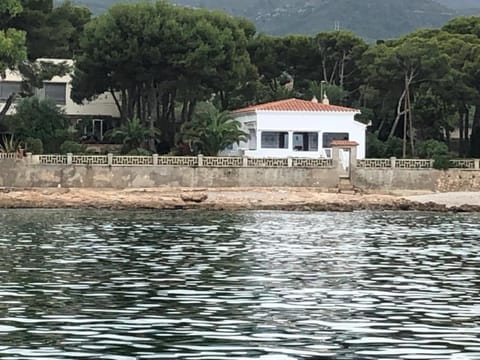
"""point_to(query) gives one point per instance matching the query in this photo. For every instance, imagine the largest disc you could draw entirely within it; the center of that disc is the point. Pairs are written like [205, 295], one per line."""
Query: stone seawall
[19, 174]
[451, 180]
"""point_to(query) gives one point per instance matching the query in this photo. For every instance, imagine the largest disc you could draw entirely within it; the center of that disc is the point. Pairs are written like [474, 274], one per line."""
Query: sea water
[238, 285]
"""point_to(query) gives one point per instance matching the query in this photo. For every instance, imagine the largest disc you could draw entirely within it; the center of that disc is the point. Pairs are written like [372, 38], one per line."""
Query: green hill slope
[371, 19]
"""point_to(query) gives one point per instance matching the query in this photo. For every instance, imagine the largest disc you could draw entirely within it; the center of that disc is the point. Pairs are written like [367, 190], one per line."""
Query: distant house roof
[296, 105]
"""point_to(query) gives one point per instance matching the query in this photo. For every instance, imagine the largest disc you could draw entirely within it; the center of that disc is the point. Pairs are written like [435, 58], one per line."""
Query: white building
[59, 89]
[297, 128]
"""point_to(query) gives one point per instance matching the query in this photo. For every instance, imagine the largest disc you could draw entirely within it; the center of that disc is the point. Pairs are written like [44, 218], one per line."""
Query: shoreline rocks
[229, 199]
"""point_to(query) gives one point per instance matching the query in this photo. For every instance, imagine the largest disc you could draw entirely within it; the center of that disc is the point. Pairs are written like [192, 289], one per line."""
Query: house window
[305, 141]
[7, 88]
[274, 140]
[329, 137]
[252, 141]
[57, 92]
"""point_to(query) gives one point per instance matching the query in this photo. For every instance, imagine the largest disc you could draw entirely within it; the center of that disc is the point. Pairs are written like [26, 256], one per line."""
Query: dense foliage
[161, 61]
[38, 29]
[42, 120]
[211, 131]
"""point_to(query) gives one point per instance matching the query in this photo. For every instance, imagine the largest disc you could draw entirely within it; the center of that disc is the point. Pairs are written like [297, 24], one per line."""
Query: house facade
[297, 128]
[59, 89]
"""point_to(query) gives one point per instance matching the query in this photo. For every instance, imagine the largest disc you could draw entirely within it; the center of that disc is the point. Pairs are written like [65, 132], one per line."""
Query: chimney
[325, 100]
[315, 100]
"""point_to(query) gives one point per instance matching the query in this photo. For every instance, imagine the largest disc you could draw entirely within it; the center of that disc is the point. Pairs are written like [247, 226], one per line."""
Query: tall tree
[52, 31]
[156, 54]
[12, 42]
[399, 67]
[469, 27]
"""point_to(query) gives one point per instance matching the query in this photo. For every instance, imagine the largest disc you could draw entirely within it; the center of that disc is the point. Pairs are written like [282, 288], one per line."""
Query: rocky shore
[297, 199]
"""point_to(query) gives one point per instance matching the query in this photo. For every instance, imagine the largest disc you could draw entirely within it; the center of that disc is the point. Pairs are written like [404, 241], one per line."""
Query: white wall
[104, 105]
[248, 121]
[338, 122]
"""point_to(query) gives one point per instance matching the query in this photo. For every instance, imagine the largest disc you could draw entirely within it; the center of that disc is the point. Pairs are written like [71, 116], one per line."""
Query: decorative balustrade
[132, 160]
[374, 163]
[463, 164]
[413, 164]
[8, 156]
[52, 159]
[188, 161]
[267, 162]
[232, 162]
[226, 161]
[89, 160]
[178, 161]
[312, 163]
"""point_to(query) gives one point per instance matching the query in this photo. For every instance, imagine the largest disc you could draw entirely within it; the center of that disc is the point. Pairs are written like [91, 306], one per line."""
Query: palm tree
[212, 131]
[9, 145]
[132, 134]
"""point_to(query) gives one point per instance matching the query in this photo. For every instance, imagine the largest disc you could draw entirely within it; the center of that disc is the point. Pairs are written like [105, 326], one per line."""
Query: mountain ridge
[370, 19]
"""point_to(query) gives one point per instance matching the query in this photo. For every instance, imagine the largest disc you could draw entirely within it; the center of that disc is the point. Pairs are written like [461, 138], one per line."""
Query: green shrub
[72, 147]
[34, 145]
[430, 149]
[377, 148]
[441, 162]
[139, 152]
[40, 119]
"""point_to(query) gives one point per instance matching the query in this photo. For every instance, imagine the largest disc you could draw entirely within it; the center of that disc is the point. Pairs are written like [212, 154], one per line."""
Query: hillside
[460, 4]
[371, 19]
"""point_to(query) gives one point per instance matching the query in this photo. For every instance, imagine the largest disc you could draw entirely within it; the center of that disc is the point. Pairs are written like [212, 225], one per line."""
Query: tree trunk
[475, 136]
[342, 69]
[399, 114]
[466, 126]
[461, 140]
[324, 68]
[405, 120]
[334, 72]
[118, 104]
[6, 107]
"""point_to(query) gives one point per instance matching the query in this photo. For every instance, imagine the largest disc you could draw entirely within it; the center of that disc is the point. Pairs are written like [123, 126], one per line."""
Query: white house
[59, 89]
[297, 128]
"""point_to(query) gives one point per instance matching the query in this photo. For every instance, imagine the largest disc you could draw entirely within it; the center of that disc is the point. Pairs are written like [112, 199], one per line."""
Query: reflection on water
[257, 285]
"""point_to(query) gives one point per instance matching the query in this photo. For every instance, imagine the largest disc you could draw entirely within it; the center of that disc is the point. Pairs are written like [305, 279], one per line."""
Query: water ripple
[253, 285]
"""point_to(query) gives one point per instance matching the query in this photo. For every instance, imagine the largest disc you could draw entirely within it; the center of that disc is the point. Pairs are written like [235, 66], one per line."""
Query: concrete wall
[395, 179]
[18, 174]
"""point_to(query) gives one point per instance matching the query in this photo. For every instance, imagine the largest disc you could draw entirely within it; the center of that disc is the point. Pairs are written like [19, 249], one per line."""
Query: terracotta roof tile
[344, 143]
[296, 105]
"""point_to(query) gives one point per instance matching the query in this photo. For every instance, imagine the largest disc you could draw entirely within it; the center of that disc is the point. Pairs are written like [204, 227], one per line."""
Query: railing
[374, 163]
[225, 161]
[90, 160]
[52, 159]
[411, 164]
[232, 162]
[267, 162]
[8, 156]
[312, 163]
[184, 161]
[463, 164]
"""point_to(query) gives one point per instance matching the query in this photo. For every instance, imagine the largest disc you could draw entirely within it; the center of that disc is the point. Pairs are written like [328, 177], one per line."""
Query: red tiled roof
[296, 105]
[344, 143]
